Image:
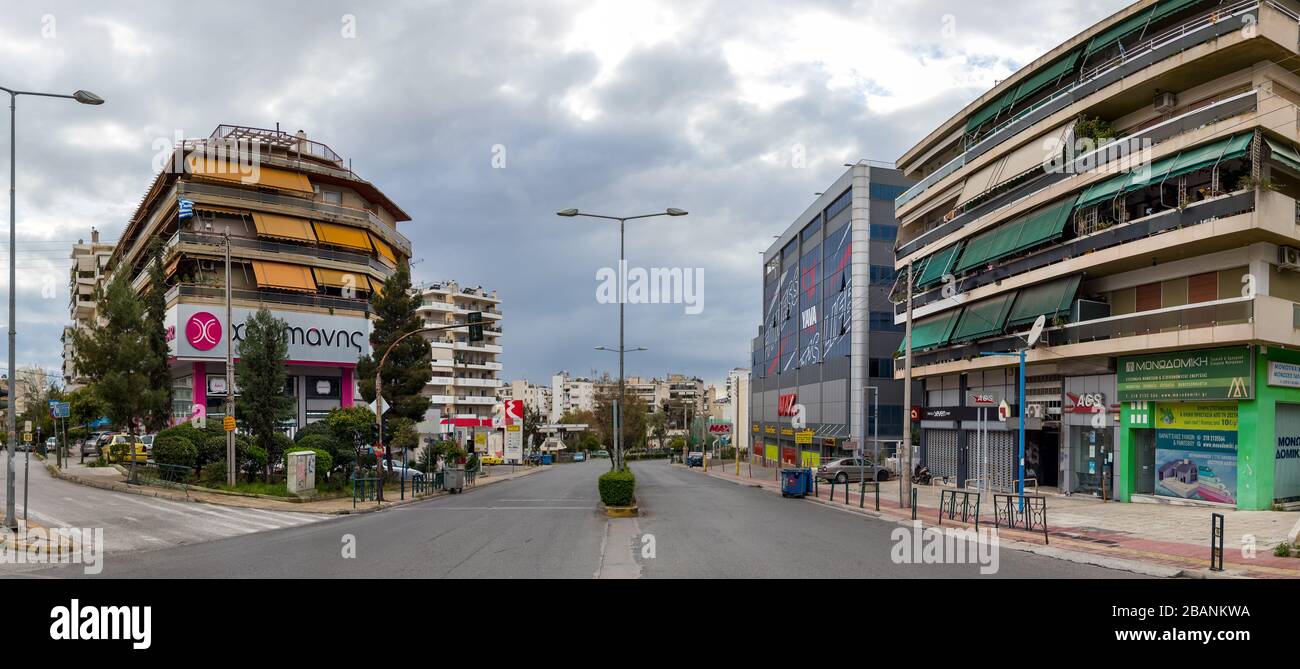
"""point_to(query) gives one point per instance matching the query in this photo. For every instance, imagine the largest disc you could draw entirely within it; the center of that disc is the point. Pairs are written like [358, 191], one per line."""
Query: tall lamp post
[85, 98]
[1034, 334]
[618, 408]
[622, 226]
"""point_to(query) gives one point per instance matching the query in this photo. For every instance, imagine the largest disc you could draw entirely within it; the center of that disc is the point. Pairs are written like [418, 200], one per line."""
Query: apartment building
[827, 329]
[1137, 188]
[465, 374]
[536, 398]
[736, 410]
[570, 394]
[89, 265]
[309, 239]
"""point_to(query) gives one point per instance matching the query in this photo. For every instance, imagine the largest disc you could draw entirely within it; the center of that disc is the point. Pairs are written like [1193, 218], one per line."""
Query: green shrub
[324, 461]
[617, 488]
[172, 449]
[1282, 550]
[213, 474]
[252, 459]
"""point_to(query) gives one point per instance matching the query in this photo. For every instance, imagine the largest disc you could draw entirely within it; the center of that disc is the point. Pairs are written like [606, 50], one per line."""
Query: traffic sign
[228, 423]
[27, 437]
[60, 409]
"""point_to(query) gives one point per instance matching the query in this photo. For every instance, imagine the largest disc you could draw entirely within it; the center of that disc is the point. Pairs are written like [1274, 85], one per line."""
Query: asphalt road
[548, 525]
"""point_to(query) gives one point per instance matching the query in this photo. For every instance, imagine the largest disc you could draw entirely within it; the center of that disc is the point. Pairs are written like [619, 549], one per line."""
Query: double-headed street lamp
[85, 98]
[622, 225]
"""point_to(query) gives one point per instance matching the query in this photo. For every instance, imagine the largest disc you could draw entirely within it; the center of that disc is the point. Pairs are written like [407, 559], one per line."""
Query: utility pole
[230, 373]
[905, 476]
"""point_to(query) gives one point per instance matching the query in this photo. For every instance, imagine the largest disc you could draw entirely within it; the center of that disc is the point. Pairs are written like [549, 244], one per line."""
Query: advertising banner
[514, 444]
[1208, 374]
[197, 332]
[1196, 451]
[770, 453]
[1196, 416]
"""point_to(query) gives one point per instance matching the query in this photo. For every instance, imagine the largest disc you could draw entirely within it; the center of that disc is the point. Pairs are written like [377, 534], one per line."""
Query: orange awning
[385, 251]
[286, 227]
[338, 279]
[283, 276]
[342, 235]
[376, 286]
[247, 173]
[198, 206]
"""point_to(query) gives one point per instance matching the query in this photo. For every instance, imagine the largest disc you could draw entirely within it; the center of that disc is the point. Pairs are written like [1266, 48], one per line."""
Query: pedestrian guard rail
[180, 477]
[963, 505]
[365, 490]
[1021, 512]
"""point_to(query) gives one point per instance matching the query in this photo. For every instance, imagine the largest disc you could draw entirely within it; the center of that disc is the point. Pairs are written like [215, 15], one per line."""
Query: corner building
[1138, 187]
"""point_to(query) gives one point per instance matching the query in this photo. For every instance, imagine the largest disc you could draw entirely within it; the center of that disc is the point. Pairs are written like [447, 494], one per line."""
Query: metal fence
[365, 490]
[1021, 512]
[170, 476]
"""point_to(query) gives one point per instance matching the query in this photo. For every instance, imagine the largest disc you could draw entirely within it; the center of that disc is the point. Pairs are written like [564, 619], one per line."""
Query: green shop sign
[1208, 374]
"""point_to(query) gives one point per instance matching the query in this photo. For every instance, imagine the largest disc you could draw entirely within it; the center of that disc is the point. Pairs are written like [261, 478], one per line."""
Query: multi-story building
[535, 398]
[737, 407]
[828, 329]
[89, 262]
[309, 240]
[465, 382]
[570, 394]
[1136, 187]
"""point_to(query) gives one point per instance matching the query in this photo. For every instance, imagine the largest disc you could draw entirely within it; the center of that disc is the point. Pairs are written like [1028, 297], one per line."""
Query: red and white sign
[983, 399]
[514, 412]
[785, 404]
[720, 428]
[1085, 403]
[203, 331]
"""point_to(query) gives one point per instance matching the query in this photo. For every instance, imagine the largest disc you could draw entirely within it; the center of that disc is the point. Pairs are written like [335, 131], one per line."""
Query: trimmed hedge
[172, 449]
[617, 488]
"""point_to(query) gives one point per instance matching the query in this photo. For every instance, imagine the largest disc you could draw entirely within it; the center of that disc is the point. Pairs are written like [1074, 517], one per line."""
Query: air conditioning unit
[207, 265]
[1165, 102]
[1288, 257]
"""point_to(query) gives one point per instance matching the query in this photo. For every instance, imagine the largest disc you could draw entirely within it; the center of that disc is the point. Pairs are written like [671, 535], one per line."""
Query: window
[331, 196]
[883, 274]
[840, 204]
[883, 232]
[323, 387]
[881, 368]
[885, 191]
[182, 398]
[884, 321]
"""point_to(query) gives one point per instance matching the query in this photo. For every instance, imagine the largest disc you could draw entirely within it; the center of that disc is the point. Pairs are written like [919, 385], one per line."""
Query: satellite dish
[1036, 331]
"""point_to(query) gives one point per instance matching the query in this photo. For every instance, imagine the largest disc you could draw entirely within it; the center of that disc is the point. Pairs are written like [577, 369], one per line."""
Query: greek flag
[186, 209]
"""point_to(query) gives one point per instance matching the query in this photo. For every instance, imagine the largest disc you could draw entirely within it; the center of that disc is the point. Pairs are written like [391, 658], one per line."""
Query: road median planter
[618, 493]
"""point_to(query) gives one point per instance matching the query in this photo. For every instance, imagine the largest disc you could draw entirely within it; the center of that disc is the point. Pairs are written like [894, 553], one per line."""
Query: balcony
[474, 399]
[216, 244]
[1203, 28]
[267, 297]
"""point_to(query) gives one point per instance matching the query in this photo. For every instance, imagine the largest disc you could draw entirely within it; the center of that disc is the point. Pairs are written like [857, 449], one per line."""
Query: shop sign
[198, 332]
[1085, 402]
[1207, 374]
[769, 429]
[1283, 374]
[1196, 416]
[1196, 451]
[804, 437]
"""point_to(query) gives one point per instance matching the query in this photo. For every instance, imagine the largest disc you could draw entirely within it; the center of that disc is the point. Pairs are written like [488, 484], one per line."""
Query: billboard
[1196, 451]
[198, 332]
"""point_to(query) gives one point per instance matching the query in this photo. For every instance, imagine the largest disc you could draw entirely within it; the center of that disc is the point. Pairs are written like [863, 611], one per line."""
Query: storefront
[323, 353]
[1089, 436]
[1219, 426]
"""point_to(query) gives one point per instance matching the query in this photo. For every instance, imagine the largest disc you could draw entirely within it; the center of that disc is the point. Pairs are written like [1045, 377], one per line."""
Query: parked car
[579, 457]
[602, 453]
[147, 440]
[101, 439]
[695, 459]
[843, 470]
[125, 448]
[491, 460]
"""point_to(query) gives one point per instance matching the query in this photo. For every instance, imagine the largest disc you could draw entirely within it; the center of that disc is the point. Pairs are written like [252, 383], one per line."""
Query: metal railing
[304, 299]
[365, 490]
[1167, 319]
[170, 476]
[1021, 512]
[302, 248]
[966, 511]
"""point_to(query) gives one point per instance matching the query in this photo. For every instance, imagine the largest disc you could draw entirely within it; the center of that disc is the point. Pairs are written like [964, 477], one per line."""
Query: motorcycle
[921, 475]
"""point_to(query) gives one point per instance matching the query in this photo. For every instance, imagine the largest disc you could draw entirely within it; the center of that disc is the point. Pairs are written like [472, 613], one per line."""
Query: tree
[260, 377]
[351, 428]
[409, 364]
[634, 418]
[533, 420]
[658, 423]
[119, 359]
[157, 415]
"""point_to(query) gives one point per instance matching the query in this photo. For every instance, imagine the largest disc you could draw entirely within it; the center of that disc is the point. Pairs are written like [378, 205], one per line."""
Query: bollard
[1216, 542]
[913, 503]
[862, 494]
[877, 495]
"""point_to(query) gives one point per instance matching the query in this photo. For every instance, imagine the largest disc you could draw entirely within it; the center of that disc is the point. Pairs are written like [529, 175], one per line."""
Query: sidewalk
[1158, 539]
[109, 478]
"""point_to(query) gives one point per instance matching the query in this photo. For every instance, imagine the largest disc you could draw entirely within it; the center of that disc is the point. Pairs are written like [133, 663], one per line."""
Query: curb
[621, 511]
[1077, 557]
[118, 486]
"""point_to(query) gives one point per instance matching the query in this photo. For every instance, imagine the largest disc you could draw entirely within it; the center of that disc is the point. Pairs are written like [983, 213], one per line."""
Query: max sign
[195, 331]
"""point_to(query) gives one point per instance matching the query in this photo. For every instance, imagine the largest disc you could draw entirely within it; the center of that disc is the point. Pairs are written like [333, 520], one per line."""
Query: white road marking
[157, 507]
[217, 514]
[507, 508]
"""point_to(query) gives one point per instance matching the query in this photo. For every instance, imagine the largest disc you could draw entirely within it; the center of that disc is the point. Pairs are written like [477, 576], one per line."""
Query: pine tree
[409, 364]
[158, 414]
[260, 377]
[119, 359]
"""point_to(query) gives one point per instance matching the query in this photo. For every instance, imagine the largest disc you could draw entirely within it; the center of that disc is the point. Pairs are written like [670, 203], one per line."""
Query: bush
[252, 458]
[617, 488]
[324, 461]
[171, 449]
[1282, 550]
[213, 474]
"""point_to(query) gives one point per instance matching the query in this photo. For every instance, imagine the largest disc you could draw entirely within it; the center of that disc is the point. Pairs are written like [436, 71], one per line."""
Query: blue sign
[60, 409]
[186, 209]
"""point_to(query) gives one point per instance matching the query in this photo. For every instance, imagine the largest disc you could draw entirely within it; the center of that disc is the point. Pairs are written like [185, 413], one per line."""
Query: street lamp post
[85, 98]
[622, 225]
[618, 405]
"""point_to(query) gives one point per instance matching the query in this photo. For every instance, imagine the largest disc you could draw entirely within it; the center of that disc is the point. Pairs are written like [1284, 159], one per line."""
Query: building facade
[465, 374]
[309, 240]
[570, 394]
[1135, 188]
[828, 330]
[89, 266]
[536, 398]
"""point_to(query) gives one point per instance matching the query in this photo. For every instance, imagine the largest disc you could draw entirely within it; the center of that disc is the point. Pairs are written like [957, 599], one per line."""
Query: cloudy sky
[483, 118]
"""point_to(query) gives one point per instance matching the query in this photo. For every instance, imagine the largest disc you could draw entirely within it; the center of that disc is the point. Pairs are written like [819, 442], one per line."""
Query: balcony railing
[1200, 29]
[265, 296]
[303, 249]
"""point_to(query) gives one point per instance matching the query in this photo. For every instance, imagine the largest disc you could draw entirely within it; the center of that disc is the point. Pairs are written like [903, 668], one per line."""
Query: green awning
[1119, 31]
[1045, 224]
[977, 250]
[1103, 190]
[1191, 160]
[990, 110]
[1004, 243]
[1284, 153]
[1158, 172]
[938, 264]
[1170, 6]
[1050, 299]
[983, 319]
[933, 331]
[1047, 75]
